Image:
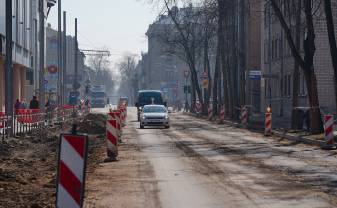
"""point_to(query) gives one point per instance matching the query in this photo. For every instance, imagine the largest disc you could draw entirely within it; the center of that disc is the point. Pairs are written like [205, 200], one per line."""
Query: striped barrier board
[71, 170]
[328, 129]
[210, 113]
[116, 115]
[244, 116]
[222, 113]
[268, 123]
[112, 138]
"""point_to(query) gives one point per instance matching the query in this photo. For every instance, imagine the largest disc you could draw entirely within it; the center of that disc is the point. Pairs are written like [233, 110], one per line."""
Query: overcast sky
[118, 24]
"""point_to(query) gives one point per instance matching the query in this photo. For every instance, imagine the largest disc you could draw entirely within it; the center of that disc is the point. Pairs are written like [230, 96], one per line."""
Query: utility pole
[270, 54]
[75, 85]
[242, 52]
[9, 66]
[64, 62]
[59, 56]
[42, 62]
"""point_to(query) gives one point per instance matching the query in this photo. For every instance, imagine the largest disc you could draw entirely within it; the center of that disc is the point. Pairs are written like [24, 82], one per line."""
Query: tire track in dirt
[289, 180]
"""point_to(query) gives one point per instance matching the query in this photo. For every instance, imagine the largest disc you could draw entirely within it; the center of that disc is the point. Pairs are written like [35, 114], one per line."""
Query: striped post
[328, 128]
[268, 122]
[71, 170]
[122, 116]
[112, 136]
[116, 115]
[244, 116]
[222, 113]
[210, 112]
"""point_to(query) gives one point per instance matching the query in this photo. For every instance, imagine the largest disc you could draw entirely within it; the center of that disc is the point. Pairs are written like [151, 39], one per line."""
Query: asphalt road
[200, 164]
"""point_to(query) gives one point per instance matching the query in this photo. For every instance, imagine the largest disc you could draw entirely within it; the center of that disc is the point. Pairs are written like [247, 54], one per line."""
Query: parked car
[154, 115]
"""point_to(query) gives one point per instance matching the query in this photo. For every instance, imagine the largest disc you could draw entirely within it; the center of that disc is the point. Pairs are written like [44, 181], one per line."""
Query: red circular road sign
[52, 69]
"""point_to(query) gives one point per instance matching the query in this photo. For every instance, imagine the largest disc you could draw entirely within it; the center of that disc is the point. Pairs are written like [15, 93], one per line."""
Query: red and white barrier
[116, 115]
[198, 107]
[2, 120]
[210, 112]
[222, 113]
[244, 116]
[268, 127]
[71, 171]
[112, 136]
[328, 128]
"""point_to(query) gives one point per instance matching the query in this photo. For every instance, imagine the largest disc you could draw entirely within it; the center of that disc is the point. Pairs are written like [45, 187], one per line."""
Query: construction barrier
[116, 114]
[71, 170]
[210, 112]
[222, 113]
[328, 128]
[112, 136]
[244, 116]
[198, 107]
[268, 124]
[2, 120]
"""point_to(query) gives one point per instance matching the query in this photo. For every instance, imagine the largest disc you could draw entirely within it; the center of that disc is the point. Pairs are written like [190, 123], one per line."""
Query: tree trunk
[222, 44]
[215, 88]
[316, 124]
[295, 116]
[307, 64]
[332, 41]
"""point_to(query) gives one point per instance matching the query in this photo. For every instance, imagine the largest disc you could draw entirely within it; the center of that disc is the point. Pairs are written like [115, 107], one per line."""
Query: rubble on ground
[93, 124]
[28, 164]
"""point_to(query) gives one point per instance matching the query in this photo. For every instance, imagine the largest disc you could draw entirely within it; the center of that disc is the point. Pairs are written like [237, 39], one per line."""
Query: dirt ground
[128, 182]
[28, 164]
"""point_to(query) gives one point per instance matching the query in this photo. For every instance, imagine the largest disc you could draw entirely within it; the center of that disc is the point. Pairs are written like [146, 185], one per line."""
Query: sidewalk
[256, 124]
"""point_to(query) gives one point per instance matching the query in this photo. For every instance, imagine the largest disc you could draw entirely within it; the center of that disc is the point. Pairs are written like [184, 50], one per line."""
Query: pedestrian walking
[34, 103]
[17, 105]
[23, 103]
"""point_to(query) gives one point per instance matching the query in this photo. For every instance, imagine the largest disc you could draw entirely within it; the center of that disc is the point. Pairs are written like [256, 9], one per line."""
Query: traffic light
[187, 89]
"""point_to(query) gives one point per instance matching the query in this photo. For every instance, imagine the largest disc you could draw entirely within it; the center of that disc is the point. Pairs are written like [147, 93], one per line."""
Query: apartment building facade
[51, 75]
[278, 64]
[25, 19]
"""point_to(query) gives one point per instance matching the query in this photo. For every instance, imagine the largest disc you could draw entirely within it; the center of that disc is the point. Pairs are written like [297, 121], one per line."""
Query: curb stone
[299, 139]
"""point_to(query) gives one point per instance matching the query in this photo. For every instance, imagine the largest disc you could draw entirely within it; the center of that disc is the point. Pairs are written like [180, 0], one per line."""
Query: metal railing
[30, 120]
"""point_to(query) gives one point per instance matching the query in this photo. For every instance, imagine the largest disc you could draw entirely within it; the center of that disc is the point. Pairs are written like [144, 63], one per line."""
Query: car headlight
[167, 117]
[143, 117]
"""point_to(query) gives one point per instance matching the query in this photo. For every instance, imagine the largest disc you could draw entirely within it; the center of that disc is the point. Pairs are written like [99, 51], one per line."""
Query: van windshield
[150, 98]
[154, 109]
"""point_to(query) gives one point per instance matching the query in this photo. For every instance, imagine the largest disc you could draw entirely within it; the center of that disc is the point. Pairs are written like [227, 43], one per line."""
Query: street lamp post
[9, 65]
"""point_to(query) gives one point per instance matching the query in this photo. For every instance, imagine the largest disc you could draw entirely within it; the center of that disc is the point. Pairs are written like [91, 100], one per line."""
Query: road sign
[204, 75]
[71, 170]
[205, 83]
[52, 69]
[255, 75]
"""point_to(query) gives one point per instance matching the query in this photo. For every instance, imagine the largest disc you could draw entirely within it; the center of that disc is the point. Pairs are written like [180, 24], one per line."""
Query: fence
[29, 120]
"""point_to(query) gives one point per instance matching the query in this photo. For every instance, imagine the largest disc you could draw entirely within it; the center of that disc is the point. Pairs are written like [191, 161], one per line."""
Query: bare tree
[101, 71]
[127, 71]
[307, 62]
[332, 40]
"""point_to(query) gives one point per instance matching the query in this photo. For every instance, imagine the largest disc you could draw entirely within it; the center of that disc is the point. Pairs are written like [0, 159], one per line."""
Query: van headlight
[143, 117]
[167, 117]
